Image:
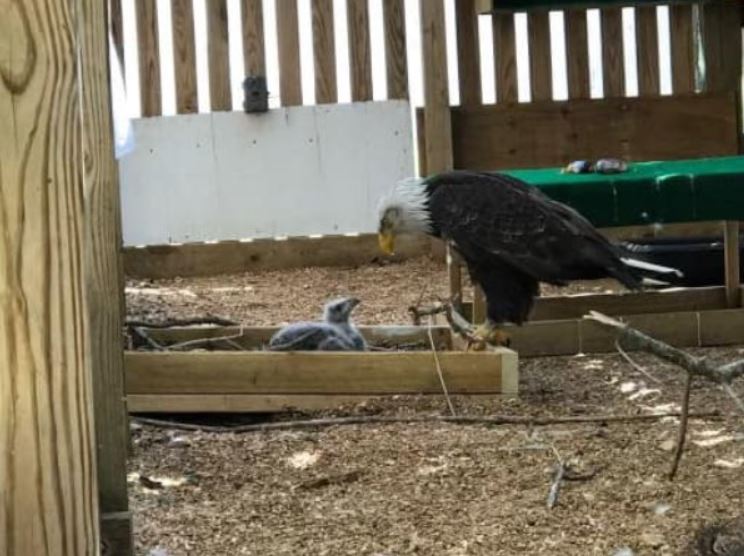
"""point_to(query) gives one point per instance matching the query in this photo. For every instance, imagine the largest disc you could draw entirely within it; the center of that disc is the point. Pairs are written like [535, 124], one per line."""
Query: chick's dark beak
[352, 302]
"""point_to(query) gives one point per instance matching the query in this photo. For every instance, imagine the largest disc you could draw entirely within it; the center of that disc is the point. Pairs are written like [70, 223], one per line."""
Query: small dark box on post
[256, 97]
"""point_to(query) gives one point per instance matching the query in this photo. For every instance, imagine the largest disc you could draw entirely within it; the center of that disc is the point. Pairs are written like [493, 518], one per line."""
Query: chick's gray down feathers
[336, 332]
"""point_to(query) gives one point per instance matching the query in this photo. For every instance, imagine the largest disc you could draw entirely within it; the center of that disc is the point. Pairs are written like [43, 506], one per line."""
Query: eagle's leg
[491, 333]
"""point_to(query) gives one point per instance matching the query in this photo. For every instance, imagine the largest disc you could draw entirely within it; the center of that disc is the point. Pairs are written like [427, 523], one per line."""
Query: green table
[650, 192]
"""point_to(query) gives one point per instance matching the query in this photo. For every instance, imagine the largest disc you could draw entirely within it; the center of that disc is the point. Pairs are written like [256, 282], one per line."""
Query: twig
[198, 342]
[633, 364]
[459, 419]
[439, 372]
[555, 486]
[146, 337]
[723, 374]
[682, 431]
[171, 323]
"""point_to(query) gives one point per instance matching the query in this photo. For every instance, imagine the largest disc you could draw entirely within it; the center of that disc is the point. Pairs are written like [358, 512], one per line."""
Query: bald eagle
[511, 237]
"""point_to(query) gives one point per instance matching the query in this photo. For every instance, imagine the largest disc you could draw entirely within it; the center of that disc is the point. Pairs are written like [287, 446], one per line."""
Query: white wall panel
[295, 171]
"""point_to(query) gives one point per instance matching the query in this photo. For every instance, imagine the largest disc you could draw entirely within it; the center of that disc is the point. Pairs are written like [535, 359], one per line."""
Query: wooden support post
[731, 254]
[48, 479]
[104, 283]
[437, 116]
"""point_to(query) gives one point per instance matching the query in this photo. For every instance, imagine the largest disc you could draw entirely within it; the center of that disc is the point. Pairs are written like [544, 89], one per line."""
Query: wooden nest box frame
[695, 132]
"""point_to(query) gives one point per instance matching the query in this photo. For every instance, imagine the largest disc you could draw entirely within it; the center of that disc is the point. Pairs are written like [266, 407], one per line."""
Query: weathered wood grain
[254, 49]
[647, 49]
[149, 58]
[184, 56]
[613, 65]
[683, 49]
[116, 22]
[47, 463]
[324, 52]
[104, 278]
[721, 38]
[357, 12]
[394, 21]
[290, 85]
[505, 57]
[438, 140]
[218, 50]
[541, 63]
[468, 53]
[540, 134]
[577, 54]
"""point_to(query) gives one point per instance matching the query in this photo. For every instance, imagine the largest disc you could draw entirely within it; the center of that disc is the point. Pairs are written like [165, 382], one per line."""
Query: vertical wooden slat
[394, 17]
[324, 52]
[683, 49]
[116, 19]
[289, 52]
[437, 120]
[104, 279]
[48, 479]
[468, 53]
[357, 12]
[149, 57]
[254, 50]
[647, 48]
[721, 37]
[613, 65]
[577, 54]
[437, 117]
[541, 64]
[732, 265]
[505, 56]
[184, 56]
[218, 50]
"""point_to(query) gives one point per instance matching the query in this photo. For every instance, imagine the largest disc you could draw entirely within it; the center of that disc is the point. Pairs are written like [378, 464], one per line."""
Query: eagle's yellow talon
[487, 333]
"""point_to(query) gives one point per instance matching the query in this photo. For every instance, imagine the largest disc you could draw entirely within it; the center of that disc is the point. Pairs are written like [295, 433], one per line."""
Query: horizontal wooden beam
[319, 372]
[224, 257]
[551, 134]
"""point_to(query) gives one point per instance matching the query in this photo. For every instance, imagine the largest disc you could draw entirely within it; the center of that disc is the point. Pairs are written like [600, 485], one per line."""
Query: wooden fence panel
[357, 12]
[505, 56]
[184, 56]
[613, 66]
[324, 52]
[683, 49]
[254, 50]
[468, 53]
[721, 30]
[290, 84]
[149, 58]
[541, 63]
[394, 19]
[219, 55]
[647, 49]
[577, 54]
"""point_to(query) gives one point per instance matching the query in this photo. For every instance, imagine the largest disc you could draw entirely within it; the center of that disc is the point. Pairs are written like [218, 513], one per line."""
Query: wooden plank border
[225, 257]
[342, 373]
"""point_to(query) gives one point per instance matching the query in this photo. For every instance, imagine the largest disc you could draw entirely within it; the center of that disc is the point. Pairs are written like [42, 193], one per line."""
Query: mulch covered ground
[431, 488]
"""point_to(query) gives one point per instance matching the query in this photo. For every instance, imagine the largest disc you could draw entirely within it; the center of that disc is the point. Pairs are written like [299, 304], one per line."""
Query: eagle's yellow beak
[387, 242]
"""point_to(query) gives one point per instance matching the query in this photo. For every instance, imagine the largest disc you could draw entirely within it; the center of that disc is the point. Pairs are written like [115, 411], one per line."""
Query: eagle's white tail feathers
[643, 265]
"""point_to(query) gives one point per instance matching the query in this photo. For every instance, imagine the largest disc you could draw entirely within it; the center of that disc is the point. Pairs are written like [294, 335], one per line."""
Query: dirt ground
[432, 488]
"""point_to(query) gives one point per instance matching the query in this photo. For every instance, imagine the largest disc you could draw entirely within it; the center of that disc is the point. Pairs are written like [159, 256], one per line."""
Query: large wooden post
[104, 281]
[48, 485]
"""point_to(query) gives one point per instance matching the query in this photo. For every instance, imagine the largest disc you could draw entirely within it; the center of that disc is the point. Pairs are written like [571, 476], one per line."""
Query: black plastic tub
[699, 258]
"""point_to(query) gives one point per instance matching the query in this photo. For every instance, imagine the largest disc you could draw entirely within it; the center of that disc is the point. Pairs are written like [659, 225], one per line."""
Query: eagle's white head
[404, 210]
